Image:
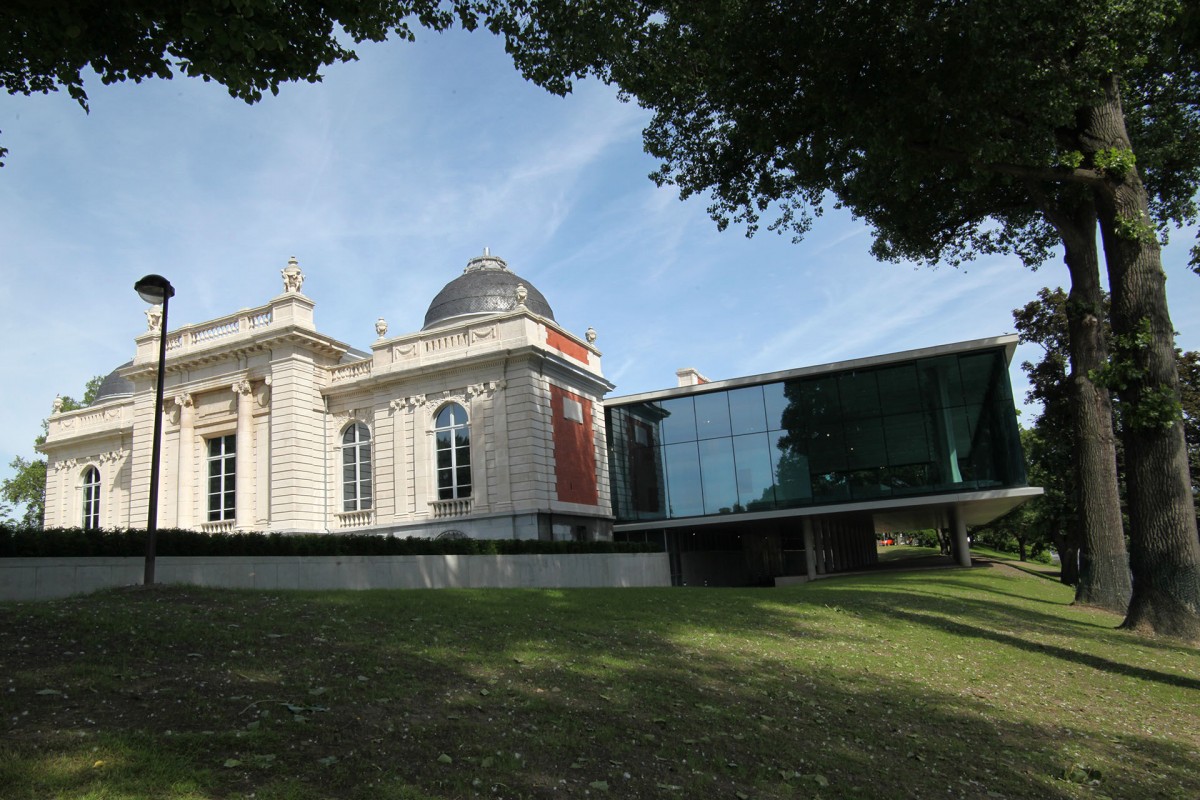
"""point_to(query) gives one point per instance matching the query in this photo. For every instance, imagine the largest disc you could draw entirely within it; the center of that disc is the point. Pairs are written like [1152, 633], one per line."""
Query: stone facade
[270, 425]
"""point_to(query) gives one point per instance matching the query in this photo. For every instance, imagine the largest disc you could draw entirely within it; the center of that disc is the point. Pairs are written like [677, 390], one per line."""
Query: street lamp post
[155, 289]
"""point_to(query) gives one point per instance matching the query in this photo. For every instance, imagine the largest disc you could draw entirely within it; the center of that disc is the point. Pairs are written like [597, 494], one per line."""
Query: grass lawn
[980, 683]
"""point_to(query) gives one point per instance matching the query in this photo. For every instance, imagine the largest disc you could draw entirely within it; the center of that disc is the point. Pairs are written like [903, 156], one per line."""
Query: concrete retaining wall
[46, 578]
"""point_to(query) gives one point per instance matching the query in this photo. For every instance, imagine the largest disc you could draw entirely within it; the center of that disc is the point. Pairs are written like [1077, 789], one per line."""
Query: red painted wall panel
[565, 346]
[574, 450]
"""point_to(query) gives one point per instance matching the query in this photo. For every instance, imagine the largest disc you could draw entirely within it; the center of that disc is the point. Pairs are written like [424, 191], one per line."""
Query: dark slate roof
[114, 385]
[485, 287]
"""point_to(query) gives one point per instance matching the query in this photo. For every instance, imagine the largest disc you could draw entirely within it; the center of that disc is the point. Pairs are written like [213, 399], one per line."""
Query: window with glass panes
[356, 468]
[222, 467]
[91, 499]
[453, 450]
[921, 426]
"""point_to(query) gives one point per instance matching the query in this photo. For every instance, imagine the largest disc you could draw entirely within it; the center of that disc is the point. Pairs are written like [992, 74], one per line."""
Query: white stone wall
[288, 393]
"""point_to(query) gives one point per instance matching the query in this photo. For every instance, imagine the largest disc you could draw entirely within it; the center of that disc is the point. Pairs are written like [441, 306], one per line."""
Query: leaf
[231, 762]
[327, 760]
[484, 692]
[487, 762]
[600, 786]
[47, 691]
[445, 759]
[821, 780]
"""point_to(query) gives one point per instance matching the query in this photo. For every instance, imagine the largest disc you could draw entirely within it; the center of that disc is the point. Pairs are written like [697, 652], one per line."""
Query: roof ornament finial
[293, 278]
[486, 261]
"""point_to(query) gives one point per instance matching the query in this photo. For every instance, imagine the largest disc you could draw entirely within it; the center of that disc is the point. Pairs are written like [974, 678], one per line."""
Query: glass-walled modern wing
[925, 426]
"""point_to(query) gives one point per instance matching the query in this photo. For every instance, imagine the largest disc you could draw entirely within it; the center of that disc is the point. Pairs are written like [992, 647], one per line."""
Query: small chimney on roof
[689, 376]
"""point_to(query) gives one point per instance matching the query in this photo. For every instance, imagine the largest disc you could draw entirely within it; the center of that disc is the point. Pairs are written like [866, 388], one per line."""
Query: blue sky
[384, 180]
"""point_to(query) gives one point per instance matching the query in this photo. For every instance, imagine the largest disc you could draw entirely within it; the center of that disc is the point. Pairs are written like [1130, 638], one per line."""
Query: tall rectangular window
[222, 467]
[91, 499]
[356, 468]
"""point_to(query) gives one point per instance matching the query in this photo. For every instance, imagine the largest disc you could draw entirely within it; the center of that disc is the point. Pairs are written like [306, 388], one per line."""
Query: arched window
[91, 499]
[453, 453]
[356, 468]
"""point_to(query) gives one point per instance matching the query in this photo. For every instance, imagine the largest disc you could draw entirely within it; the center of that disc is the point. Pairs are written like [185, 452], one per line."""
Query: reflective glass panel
[746, 411]
[864, 443]
[899, 389]
[712, 415]
[906, 439]
[793, 478]
[976, 371]
[940, 381]
[679, 420]
[775, 400]
[684, 495]
[827, 448]
[718, 476]
[859, 392]
[755, 477]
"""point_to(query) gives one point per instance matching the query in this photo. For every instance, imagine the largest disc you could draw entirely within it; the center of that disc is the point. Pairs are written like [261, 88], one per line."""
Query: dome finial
[486, 261]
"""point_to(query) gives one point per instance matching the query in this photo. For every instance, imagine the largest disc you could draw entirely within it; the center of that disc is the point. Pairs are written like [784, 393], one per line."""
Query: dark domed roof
[485, 287]
[114, 386]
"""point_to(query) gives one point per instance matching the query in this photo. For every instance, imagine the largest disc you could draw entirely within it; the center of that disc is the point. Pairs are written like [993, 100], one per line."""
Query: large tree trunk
[1165, 552]
[1103, 578]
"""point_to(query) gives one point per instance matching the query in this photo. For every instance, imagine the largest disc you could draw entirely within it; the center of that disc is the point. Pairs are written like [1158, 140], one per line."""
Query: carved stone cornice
[410, 403]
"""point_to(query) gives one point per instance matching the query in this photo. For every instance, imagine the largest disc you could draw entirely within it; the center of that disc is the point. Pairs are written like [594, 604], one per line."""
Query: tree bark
[1165, 551]
[1103, 579]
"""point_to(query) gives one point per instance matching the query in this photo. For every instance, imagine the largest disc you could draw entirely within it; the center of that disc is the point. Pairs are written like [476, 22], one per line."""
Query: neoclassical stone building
[488, 422]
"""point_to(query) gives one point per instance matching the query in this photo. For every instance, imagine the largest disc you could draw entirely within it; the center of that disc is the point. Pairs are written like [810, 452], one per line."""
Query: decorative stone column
[186, 471]
[244, 466]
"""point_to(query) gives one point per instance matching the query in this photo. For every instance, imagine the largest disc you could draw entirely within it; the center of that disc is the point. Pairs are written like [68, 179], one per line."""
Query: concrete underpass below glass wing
[829, 455]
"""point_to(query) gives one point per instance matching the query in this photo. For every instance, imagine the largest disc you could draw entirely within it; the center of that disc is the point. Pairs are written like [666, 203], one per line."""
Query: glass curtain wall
[919, 427]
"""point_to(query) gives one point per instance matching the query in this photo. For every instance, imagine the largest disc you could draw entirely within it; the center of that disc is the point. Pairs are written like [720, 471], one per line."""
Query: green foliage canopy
[944, 125]
[248, 46]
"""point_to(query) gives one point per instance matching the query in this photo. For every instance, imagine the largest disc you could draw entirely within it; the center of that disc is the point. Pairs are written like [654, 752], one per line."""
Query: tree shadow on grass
[1063, 653]
[997, 620]
[650, 693]
[1071, 620]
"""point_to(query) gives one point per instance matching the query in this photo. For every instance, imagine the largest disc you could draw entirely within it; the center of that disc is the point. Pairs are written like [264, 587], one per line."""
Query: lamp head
[154, 289]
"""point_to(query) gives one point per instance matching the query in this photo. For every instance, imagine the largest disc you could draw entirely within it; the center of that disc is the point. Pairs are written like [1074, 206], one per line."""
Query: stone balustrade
[443, 509]
[347, 372]
[354, 519]
[191, 337]
[286, 310]
[87, 420]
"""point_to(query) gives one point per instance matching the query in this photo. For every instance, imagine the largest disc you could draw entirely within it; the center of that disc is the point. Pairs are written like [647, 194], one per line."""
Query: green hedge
[17, 542]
